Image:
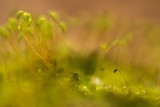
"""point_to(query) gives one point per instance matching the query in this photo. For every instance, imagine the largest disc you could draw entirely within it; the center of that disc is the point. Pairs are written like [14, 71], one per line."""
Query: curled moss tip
[63, 26]
[20, 36]
[40, 21]
[19, 14]
[3, 32]
[26, 16]
[12, 24]
[53, 15]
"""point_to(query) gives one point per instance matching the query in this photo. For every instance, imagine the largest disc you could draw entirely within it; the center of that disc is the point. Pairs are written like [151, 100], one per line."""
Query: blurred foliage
[46, 63]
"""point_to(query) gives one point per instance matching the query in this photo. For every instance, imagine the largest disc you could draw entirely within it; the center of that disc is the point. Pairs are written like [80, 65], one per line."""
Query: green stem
[123, 77]
[34, 49]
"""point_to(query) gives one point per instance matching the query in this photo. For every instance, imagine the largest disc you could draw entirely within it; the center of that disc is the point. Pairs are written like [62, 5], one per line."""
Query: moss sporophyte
[42, 64]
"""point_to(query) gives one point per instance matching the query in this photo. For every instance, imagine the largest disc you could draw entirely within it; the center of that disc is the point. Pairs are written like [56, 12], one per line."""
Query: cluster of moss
[39, 67]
